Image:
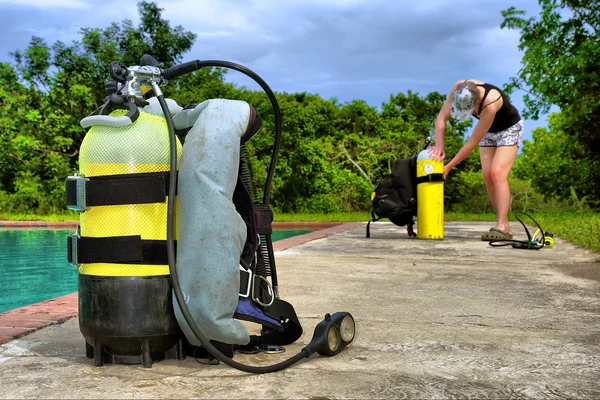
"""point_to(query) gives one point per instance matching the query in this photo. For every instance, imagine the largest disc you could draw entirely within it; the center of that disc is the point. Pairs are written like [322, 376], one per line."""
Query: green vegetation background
[332, 154]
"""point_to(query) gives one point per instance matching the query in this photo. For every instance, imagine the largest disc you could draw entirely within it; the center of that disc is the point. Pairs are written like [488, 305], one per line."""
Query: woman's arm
[437, 151]
[486, 118]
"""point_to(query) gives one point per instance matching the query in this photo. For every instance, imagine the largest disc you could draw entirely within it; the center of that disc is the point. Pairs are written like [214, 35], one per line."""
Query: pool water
[33, 266]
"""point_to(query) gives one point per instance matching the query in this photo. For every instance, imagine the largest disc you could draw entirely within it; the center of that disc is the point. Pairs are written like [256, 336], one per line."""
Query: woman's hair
[464, 100]
[471, 87]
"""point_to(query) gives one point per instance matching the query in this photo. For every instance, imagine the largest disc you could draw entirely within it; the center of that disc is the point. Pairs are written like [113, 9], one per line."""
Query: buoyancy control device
[412, 192]
[173, 247]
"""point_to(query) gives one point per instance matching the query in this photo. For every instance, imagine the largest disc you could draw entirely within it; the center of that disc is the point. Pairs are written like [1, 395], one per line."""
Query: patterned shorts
[508, 137]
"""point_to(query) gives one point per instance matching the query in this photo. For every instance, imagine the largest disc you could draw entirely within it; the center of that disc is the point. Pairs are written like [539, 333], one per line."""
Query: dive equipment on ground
[534, 242]
[546, 237]
[396, 197]
[430, 196]
[127, 189]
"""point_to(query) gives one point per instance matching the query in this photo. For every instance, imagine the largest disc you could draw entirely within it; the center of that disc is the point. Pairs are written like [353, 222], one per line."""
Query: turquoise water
[33, 266]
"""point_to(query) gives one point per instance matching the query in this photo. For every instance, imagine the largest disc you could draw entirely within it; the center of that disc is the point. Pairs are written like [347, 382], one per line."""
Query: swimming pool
[33, 265]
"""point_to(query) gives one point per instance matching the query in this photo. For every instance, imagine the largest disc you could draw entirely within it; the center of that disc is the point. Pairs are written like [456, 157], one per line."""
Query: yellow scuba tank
[430, 197]
[140, 148]
[125, 300]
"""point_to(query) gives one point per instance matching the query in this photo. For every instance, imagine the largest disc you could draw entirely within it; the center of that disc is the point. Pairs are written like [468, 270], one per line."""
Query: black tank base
[129, 320]
[146, 357]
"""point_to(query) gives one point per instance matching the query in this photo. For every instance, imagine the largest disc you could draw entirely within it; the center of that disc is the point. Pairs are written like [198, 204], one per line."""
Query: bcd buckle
[270, 290]
[72, 257]
[247, 288]
[76, 193]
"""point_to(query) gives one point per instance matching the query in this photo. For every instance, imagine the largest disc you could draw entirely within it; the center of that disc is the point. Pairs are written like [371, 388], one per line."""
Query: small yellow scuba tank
[430, 197]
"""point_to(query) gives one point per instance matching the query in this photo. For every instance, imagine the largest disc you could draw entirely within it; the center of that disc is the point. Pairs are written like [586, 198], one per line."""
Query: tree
[561, 67]
[570, 176]
[51, 88]
[331, 154]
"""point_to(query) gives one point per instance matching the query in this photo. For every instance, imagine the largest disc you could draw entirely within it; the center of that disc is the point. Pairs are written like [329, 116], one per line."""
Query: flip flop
[496, 234]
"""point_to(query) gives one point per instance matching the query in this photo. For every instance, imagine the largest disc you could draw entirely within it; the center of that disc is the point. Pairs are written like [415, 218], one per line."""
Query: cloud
[392, 45]
[20, 23]
[45, 4]
[349, 49]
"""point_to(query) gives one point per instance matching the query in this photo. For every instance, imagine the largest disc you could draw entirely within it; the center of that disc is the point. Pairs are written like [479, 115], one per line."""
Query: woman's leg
[486, 155]
[502, 162]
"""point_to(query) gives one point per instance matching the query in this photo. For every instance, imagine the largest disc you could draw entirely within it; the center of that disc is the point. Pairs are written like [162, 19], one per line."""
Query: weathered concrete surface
[436, 319]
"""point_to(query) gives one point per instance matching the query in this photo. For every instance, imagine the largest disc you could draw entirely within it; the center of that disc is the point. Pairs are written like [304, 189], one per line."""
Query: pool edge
[25, 320]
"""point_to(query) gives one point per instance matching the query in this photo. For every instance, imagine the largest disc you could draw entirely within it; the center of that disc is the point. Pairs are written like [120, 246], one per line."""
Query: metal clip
[72, 256]
[270, 348]
[250, 282]
[256, 299]
[76, 194]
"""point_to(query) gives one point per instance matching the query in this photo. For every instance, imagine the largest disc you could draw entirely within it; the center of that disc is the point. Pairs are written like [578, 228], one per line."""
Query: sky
[347, 49]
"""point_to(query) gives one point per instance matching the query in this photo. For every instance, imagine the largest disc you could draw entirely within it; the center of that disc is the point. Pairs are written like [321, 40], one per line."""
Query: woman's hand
[436, 153]
[447, 169]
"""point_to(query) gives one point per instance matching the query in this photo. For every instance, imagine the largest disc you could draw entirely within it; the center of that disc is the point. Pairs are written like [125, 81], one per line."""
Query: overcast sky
[365, 49]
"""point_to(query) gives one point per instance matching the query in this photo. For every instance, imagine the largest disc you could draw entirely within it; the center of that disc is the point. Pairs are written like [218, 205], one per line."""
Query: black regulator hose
[529, 244]
[172, 73]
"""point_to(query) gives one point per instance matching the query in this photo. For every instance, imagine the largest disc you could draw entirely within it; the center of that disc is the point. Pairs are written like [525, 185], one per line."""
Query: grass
[580, 228]
[335, 217]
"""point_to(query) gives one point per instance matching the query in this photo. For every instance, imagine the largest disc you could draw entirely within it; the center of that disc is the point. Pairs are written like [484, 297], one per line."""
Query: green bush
[322, 203]
[470, 189]
[330, 155]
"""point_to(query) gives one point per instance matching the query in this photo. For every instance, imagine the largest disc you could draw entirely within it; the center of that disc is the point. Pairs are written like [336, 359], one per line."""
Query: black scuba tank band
[142, 188]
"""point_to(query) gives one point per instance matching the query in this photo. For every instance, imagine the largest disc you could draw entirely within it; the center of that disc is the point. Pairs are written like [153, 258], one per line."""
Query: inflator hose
[172, 73]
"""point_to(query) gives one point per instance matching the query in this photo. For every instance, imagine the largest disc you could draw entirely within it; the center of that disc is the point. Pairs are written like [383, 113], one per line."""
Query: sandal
[496, 234]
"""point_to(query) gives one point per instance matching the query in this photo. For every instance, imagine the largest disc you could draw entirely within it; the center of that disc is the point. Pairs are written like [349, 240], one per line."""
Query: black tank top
[506, 116]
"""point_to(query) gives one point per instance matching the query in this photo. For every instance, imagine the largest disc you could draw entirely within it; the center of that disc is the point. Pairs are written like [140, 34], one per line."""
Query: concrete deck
[435, 319]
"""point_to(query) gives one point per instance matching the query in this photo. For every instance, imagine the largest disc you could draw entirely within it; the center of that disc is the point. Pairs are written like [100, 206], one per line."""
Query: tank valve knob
[111, 86]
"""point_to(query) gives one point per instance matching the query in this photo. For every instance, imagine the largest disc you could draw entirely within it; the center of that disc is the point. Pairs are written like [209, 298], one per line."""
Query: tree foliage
[330, 157]
[561, 67]
[331, 154]
[570, 176]
[51, 88]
